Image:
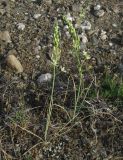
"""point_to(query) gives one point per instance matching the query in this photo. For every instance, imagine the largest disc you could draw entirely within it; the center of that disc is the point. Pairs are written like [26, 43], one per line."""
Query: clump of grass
[77, 55]
[111, 87]
[55, 60]
[20, 117]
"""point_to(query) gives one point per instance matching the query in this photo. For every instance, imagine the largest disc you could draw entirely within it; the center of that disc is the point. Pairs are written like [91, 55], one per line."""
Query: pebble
[38, 56]
[99, 13]
[14, 63]
[5, 36]
[44, 78]
[48, 2]
[86, 25]
[103, 35]
[114, 25]
[97, 7]
[21, 26]
[36, 16]
[76, 25]
[110, 44]
[2, 11]
[83, 38]
[68, 34]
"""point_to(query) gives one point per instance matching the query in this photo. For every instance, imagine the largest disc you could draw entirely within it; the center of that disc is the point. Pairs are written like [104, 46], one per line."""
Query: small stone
[44, 78]
[116, 9]
[97, 7]
[86, 25]
[14, 63]
[48, 2]
[66, 28]
[68, 34]
[2, 11]
[114, 25]
[76, 26]
[36, 16]
[21, 26]
[99, 13]
[103, 35]
[83, 38]
[5, 36]
[38, 56]
[110, 44]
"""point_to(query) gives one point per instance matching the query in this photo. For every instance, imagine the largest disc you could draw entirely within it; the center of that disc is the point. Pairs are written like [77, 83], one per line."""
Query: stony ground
[26, 45]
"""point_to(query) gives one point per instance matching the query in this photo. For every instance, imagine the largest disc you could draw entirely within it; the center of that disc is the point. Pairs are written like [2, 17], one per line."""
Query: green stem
[77, 95]
[51, 103]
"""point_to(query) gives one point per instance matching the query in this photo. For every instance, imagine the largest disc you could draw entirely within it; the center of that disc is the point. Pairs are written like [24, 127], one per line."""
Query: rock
[13, 62]
[2, 11]
[5, 36]
[86, 25]
[114, 25]
[38, 56]
[110, 44]
[68, 34]
[66, 28]
[99, 13]
[44, 78]
[4, 7]
[48, 2]
[103, 35]
[36, 16]
[97, 7]
[83, 38]
[21, 26]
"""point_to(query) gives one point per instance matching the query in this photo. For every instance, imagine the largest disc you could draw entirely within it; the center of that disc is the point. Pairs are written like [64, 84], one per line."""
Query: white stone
[114, 25]
[44, 78]
[97, 7]
[103, 35]
[21, 26]
[110, 44]
[38, 56]
[36, 16]
[86, 25]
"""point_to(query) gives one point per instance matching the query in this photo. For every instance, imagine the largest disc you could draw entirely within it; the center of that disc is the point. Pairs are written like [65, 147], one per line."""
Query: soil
[97, 133]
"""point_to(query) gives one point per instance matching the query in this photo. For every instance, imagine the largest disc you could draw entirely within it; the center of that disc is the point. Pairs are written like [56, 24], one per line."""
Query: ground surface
[97, 133]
